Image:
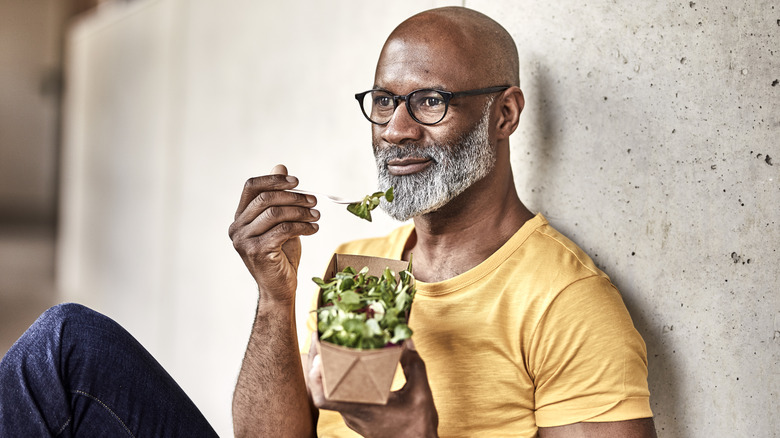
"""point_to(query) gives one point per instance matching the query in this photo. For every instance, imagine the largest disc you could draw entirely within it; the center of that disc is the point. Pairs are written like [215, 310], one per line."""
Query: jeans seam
[63, 427]
[106, 408]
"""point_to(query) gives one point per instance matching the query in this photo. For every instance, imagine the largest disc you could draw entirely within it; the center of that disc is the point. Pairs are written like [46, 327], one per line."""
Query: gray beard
[454, 168]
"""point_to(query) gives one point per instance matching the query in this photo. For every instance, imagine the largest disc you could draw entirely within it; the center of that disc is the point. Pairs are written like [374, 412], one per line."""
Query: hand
[409, 412]
[267, 229]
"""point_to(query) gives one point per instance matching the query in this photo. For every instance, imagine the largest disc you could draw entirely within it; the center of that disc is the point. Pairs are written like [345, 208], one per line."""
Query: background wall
[30, 82]
[30, 56]
[649, 136]
[170, 106]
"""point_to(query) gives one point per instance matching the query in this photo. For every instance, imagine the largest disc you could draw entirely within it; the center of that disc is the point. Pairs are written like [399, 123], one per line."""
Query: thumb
[279, 169]
[412, 363]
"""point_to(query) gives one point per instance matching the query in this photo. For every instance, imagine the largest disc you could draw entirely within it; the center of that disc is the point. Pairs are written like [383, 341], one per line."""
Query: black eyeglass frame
[446, 95]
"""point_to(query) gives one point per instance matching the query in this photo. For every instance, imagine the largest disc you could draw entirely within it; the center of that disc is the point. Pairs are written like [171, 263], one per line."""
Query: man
[517, 331]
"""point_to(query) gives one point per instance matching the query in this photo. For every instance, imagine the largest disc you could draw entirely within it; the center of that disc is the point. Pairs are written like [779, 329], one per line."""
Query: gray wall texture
[649, 136]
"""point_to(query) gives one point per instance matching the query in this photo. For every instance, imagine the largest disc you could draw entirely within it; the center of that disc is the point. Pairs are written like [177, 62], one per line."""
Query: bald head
[470, 44]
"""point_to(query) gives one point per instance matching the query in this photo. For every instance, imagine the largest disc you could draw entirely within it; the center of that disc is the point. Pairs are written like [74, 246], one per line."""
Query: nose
[401, 128]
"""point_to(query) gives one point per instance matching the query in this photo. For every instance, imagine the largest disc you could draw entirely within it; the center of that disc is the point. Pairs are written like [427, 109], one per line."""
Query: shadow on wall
[664, 377]
[544, 145]
[541, 139]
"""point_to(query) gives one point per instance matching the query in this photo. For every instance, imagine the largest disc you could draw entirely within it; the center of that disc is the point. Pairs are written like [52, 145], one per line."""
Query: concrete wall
[649, 136]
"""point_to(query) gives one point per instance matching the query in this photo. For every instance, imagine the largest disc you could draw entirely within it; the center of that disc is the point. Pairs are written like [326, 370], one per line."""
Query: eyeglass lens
[427, 106]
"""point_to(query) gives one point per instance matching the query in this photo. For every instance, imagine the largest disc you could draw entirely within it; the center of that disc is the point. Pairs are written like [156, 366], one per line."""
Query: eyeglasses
[426, 106]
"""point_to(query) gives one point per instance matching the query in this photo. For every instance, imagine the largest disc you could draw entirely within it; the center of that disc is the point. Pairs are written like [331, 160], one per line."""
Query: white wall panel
[172, 105]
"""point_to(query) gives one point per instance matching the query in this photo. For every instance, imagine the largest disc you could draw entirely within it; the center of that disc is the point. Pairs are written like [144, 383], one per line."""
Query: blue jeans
[77, 373]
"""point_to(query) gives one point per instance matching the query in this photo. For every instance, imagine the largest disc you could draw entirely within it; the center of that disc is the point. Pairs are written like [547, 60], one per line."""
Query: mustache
[412, 150]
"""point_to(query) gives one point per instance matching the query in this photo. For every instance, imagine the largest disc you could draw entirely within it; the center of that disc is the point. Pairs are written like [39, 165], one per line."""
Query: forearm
[271, 397]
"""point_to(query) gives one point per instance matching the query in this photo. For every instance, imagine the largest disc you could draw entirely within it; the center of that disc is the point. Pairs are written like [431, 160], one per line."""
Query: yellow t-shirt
[536, 335]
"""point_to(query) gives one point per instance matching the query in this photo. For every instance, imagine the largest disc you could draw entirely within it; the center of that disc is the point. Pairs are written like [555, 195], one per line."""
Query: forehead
[407, 64]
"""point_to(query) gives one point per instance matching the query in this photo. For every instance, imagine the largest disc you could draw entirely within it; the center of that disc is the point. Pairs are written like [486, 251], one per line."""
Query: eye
[427, 100]
[431, 102]
[383, 101]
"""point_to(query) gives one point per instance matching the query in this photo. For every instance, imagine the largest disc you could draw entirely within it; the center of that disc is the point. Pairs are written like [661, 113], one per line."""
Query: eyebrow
[431, 87]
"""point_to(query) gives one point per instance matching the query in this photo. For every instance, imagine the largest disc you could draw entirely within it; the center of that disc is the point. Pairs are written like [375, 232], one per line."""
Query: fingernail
[315, 213]
[310, 199]
[291, 179]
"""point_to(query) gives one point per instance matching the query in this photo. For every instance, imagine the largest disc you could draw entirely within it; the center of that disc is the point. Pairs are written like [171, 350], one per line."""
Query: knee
[65, 313]
[45, 334]
[64, 310]
[71, 321]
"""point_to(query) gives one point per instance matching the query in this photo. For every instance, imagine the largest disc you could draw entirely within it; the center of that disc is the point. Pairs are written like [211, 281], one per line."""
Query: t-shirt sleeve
[588, 362]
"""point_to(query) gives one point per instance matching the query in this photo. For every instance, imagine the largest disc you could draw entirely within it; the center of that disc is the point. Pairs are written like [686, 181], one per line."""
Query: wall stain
[736, 258]
[767, 159]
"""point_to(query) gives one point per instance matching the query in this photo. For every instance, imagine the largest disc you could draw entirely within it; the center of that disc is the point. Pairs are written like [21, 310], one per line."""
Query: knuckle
[233, 229]
[249, 184]
[318, 400]
[253, 251]
[260, 200]
[236, 241]
[239, 245]
[275, 212]
[269, 214]
[286, 227]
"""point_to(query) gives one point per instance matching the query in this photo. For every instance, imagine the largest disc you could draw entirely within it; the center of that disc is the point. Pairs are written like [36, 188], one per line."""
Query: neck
[467, 230]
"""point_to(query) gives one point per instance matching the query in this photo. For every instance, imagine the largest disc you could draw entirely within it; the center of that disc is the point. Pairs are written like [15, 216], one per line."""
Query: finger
[317, 391]
[257, 185]
[412, 363]
[279, 235]
[268, 199]
[306, 363]
[275, 216]
[314, 348]
[279, 169]
[309, 357]
[315, 382]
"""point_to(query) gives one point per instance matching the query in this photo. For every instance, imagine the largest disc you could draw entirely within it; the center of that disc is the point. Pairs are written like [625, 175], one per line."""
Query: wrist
[273, 297]
[274, 308]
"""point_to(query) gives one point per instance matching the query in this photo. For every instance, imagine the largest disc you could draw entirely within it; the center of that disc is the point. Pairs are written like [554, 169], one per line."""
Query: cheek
[376, 134]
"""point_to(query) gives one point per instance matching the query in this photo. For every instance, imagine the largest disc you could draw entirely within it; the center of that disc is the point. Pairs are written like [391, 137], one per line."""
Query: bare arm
[640, 428]
[271, 397]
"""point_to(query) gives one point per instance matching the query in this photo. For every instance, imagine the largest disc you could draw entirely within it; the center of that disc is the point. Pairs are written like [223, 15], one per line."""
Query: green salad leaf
[362, 311]
[363, 209]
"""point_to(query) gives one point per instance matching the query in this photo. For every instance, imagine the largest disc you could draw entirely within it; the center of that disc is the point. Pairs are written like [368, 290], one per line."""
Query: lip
[407, 166]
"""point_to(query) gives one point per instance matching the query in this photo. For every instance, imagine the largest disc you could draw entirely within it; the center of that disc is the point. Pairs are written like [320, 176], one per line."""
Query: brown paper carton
[361, 376]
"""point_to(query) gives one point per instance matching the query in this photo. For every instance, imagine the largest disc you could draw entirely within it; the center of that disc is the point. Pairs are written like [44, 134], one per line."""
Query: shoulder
[542, 256]
[553, 247]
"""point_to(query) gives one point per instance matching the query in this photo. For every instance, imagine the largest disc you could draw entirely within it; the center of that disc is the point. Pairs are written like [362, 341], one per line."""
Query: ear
[509, 106]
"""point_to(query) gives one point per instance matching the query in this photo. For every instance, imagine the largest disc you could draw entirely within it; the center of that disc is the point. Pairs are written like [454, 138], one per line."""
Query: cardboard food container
[360, 376]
